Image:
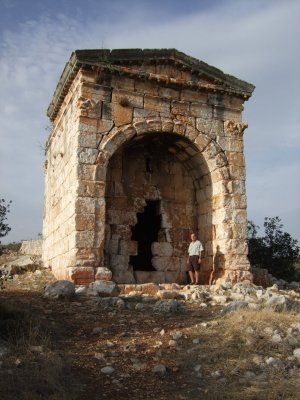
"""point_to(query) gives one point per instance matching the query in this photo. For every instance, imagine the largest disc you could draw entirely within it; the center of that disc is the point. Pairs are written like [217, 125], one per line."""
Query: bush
[4, 210]
[276, 251]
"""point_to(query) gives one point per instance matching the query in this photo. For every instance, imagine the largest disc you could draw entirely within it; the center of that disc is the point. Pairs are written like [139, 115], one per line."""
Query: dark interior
[145, 232]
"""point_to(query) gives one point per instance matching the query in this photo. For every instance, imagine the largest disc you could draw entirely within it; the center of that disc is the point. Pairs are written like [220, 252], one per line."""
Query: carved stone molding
[237, 128]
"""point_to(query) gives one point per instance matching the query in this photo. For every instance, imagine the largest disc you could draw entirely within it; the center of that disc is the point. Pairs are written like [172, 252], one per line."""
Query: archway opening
[158, 190]
[145, 232]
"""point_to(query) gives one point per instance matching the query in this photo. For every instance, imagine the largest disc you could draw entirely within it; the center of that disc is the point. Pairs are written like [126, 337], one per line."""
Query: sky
[254, 40]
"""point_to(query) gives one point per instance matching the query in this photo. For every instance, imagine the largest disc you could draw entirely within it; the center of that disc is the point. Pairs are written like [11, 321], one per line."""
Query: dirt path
[192, 355]
[132, 342]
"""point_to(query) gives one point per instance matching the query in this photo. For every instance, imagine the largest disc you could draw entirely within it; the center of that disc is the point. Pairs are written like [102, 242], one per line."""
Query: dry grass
[230, 346]
[30, 370]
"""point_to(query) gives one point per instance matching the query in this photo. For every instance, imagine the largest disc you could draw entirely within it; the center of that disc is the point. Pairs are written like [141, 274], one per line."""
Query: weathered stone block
[103, 274]
[162, 249]
[180, 107]
[168, 93]
[129, 247]
[84, 222]
[87, 155]
[156, 103]
[131, 98]
[166, 263]
[104, 126]
[82, 275]
[146, 87]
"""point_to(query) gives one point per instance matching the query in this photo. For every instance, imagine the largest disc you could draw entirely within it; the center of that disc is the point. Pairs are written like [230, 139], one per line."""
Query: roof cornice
[119, 61]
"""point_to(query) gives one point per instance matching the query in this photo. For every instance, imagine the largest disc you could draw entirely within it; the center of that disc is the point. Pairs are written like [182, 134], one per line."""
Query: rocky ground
[147, 341]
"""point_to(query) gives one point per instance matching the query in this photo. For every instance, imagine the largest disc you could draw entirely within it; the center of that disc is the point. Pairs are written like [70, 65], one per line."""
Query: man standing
[196, 252]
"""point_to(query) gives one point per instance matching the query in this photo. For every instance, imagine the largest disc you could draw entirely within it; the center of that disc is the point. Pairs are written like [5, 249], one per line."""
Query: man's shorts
[193, 264]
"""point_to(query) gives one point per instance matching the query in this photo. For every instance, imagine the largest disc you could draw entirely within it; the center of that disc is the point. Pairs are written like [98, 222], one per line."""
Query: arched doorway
[158, 190]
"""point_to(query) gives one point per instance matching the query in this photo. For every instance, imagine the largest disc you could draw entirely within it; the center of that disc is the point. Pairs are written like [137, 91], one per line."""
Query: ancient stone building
[146, 146]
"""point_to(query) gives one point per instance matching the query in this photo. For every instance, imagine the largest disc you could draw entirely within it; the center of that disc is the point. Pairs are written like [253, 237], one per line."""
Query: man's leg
[192, 276]
[197, 279]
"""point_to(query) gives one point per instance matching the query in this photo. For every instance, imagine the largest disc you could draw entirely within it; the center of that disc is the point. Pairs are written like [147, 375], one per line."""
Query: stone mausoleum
[146, 147]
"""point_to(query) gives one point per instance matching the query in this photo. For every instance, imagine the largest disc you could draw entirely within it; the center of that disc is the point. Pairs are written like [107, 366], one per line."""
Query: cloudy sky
[255, 40]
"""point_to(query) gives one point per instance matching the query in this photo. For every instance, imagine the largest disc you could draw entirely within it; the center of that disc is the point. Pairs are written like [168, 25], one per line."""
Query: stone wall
[31, 247]
[111, 119]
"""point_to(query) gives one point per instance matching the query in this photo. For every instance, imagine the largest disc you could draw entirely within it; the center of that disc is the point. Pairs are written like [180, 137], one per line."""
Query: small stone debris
[177, 335]
[63, 290]
[215, 374]
[276, 338]
[159, 369]
[296, 353]
[107, 370]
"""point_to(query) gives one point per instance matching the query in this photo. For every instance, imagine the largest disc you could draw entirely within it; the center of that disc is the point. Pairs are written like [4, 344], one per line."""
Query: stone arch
[213, 186]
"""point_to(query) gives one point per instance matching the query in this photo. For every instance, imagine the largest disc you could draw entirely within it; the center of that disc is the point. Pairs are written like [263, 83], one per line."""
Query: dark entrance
[145, 232]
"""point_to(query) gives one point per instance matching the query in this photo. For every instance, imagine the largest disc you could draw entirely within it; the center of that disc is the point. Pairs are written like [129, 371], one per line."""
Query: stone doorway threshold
[160, 277]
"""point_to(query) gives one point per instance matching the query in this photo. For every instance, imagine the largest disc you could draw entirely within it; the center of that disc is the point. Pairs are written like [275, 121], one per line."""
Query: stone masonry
[146, 146]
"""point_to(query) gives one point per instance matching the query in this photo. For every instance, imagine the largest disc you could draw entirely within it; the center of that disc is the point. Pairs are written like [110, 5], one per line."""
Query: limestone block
[104, 126]
[86, 172]
[201, 112]
[88, 140]
[107, 111]
[121, 231]
[191, 132]
[113, 246]
[202, 141]
[154, 125]
[179, 127]
[123, 277]
[162, 249]
[87, 155]
[237, 172]
[96, 91]
[84, 222]
[142, 113]
[129, 247]
[222, 215]
[134, 99]
[85, 205]
[166, 263]
[59, 290]
[81, 275]
[103, 274]
[168, 93]
[121, 217]
[194, 96]
[122, 82]
[236, 159]
[231, 144]
[119, 262]
[121, 115]
[88, 122]
[180, 107]
[103, 289]
[90, 189]
[146, 87]
[156, 103]
[140, 127]
[239, 216]
[238, 187]
[85, 239]
[149, 276]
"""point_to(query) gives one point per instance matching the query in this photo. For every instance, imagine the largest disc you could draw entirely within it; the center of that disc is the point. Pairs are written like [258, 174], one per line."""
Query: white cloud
[255, 41]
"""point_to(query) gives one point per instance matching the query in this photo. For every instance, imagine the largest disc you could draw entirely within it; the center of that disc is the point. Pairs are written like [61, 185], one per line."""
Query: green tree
[276, 250]
[4, 210]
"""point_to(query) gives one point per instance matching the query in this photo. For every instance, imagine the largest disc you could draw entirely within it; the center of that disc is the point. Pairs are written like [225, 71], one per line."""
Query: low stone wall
[32, 247]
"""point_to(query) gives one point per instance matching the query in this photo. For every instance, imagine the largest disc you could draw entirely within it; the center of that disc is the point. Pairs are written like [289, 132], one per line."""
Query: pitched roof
[120, 60]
